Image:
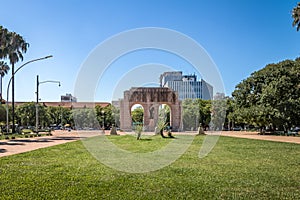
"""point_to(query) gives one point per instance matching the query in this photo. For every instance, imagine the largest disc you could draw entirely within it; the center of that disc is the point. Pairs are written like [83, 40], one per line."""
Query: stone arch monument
[150, 98]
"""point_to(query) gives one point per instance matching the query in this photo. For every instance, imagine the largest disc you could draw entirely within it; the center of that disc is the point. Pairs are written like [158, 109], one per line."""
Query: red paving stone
[255, 135]
[20, 145]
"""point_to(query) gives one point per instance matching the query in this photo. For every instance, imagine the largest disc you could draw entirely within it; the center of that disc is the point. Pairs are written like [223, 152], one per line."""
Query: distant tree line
[49, 116]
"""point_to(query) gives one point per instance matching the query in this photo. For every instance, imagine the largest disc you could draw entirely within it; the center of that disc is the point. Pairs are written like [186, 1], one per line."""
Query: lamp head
[50, 56]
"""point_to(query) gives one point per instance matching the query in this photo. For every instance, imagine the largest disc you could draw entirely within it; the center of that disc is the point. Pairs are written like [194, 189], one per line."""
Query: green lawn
[235, 169]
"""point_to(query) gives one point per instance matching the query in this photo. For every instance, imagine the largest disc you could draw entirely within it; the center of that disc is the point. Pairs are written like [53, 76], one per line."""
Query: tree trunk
[162, 133]
[1, 97]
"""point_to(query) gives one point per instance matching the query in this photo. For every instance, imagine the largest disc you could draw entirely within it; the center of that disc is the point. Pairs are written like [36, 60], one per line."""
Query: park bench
[292, 133]
[279, 133]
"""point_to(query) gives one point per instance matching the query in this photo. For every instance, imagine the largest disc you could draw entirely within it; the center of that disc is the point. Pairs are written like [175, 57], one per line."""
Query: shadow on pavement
[3, 150]
[11, 143]
[66, 138]
[31, 141]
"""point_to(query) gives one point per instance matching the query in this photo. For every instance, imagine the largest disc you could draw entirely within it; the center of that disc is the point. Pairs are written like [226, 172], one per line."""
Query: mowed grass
[235, 169]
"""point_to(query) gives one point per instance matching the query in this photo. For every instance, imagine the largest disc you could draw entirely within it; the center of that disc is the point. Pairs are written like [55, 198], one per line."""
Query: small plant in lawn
[139, 130]
[161, 125]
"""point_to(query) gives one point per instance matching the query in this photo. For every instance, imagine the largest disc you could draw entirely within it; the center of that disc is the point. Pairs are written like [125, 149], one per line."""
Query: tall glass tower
[186, 86]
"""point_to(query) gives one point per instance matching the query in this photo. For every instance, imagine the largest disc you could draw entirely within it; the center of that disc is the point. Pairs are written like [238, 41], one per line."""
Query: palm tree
[3, 71]
[296, 16]
[4, 40]
[12, 46]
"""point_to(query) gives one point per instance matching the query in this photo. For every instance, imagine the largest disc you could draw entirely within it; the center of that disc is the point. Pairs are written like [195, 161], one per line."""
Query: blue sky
[241, 36]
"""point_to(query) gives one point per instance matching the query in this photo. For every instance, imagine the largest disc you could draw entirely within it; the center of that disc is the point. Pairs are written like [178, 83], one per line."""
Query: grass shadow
[145, 139]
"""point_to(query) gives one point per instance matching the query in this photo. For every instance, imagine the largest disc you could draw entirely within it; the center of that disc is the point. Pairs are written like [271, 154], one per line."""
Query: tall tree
[25, 114]
[59, 116]
[270, 96]
[196, 112]
[204, 112]
[218, 114]
[108, 115]
[3, 71]
[296, 16]
[85, 118]
[13, 46]
[4, 40]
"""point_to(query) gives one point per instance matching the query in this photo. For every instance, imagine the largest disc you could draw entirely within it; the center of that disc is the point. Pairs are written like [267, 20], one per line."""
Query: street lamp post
[38, 83]
[103, 129]
[13, 100]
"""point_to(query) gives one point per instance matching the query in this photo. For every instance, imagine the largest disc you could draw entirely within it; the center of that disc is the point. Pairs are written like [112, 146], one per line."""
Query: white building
[186, 86]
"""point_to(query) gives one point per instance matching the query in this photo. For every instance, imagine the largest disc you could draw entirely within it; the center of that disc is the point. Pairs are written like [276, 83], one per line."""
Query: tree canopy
[270, 96]
[12, 45]
[296, 16]
[196, 112]
[138, 115]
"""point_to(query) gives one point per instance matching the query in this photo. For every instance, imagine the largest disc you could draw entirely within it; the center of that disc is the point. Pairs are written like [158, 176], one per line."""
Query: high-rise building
[186, 86]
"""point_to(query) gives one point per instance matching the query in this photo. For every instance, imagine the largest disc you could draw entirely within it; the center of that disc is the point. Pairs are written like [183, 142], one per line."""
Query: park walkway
[255, 135]
[20, 145]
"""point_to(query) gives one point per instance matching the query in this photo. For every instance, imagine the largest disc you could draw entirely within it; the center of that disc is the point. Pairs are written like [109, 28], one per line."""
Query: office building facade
[186, 86]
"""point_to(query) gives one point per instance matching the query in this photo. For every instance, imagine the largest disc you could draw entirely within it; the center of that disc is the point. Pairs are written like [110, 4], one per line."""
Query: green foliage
[296, 16]
[270, 96]
[3, 71]
[164, 114]
[218, 114]
[27, 131]
[59, 115]
[229, 113]
[161, 124]
[2, 113]
[235, 169]
[12, 45]
[138, 131]
[195, 112]
[108, 115]
[137, 115]
[163, 120]
[85, 118]
[115, 115]
[26, 114]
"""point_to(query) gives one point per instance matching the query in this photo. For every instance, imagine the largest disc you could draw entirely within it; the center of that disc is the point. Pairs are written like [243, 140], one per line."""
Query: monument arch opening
[137, 115]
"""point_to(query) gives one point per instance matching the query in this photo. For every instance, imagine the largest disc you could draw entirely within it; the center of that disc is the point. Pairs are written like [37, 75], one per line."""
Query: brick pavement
[20, 145]
[255, 135]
